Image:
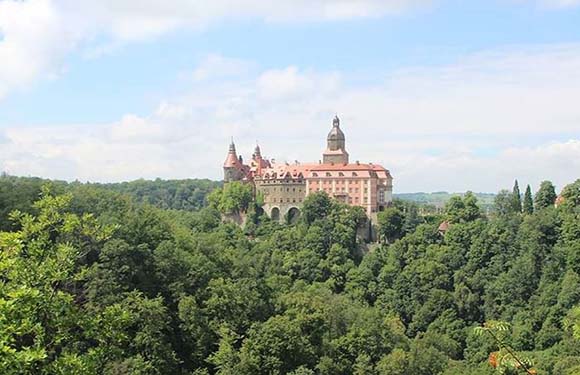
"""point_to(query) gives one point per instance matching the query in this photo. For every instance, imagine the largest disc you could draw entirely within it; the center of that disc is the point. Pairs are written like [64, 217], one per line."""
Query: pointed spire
[336, 121]
[232, 158]
[257, 151]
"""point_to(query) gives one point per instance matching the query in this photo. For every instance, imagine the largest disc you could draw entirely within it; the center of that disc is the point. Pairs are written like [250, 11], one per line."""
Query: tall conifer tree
[517, 197]
[528, 201]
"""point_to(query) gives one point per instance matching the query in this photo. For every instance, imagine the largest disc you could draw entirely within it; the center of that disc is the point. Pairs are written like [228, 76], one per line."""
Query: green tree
[517, 197]
[503, 203]
[528, 206]
[546, 195]
[316, 206]
[394, 363]
[472, 209]
[462, 209]
[235, 197]
[277, 346]
[572, 322]
[505, 360]
[390, 224]
[226, 358]
[39, 268]
[571, 194]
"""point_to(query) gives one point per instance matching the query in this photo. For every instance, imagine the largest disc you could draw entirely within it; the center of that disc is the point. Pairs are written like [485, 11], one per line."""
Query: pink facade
[286, 185]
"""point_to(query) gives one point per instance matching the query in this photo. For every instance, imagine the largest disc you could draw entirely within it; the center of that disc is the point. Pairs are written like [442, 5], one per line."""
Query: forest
[151, 278]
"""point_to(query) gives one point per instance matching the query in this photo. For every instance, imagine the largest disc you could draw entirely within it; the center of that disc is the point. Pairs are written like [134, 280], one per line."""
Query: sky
[448, 95]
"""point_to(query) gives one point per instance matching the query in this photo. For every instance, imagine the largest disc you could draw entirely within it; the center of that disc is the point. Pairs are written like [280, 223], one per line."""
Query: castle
[284, 186]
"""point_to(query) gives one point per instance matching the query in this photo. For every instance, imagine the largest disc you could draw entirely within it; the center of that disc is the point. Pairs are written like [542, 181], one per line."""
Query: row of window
[341, 182]
[287, 181]
[340, 174]
[343, 190]
[282, 189]
[288, 200]
[356, 200]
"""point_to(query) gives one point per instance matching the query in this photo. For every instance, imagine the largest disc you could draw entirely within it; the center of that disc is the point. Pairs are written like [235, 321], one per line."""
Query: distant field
[439, 198]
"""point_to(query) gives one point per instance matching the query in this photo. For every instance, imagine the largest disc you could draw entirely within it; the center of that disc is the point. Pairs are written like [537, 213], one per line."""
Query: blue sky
[108, 91]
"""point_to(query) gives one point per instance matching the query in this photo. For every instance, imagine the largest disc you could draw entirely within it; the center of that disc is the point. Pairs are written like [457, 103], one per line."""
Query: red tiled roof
[232, 161]
[444, 226]
[321, 170]
[348, 167]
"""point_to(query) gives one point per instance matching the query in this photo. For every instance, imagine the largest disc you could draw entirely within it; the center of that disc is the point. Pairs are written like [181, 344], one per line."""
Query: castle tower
[335, 145]
[233, 167]
[257, 153]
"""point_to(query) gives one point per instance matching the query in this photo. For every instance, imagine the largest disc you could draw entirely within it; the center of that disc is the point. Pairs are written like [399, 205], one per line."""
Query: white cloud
[215, 67]
[560, 3]
[37, 35]
[476, 124]
[34, 37]
[461, 171]
[290, 83]
[135, 19]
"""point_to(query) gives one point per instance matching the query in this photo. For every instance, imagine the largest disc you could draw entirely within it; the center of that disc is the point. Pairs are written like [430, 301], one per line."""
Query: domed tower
[233, 168]
[257, 153]
[335, 145]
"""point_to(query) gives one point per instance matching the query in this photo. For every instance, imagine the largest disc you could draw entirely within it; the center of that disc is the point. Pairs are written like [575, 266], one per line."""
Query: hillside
[438, 199]
[97, 282]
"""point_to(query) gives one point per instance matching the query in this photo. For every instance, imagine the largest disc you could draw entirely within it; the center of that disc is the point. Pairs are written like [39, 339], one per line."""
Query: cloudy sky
[449, 95]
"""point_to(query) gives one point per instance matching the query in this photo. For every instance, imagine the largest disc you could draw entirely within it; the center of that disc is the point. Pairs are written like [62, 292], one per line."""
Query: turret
[336, 139]
[233, 167]
[257, 153]
[335, 145]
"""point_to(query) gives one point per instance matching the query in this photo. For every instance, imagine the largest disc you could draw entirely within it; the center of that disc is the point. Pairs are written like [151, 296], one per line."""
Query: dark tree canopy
[528, 206]
[517, 197]
[390, 223]
[546, 195]
[316, 207]
[462, 209]
[96, 281]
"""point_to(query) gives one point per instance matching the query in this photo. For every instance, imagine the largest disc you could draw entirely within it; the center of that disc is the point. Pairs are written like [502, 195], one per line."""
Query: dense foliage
[190, 195]
[93, 281]
[436, 200]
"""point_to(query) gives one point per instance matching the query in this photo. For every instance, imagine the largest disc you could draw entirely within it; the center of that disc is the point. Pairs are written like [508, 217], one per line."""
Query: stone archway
[275, 214]
[293, 215]
[259, 211]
